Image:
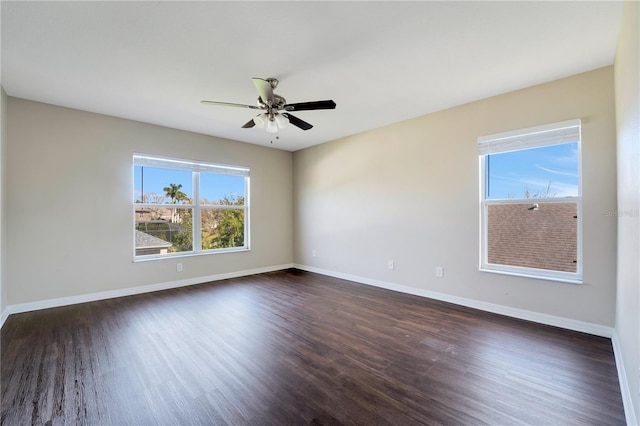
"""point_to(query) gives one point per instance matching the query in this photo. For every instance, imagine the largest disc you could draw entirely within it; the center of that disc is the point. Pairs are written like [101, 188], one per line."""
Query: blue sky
[511, 172]
[213, 187]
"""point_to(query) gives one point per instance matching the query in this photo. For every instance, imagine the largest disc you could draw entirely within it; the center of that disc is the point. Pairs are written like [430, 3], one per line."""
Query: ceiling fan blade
[249, 124]
[297, 122]
[307, 106]
[229, 104]
[264, 90]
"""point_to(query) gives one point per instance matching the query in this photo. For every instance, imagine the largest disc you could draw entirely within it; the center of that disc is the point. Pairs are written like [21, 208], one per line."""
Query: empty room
[292, 213]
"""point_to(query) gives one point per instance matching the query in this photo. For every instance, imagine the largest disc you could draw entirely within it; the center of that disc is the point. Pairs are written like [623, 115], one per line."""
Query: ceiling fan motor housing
[278, 102]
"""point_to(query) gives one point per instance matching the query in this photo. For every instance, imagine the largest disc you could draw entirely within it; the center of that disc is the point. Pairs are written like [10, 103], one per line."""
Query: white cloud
[556, 172]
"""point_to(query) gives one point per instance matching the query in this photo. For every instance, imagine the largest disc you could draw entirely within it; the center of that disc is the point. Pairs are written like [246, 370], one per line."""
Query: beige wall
[627, 328]
[68, 207]
[409, 192]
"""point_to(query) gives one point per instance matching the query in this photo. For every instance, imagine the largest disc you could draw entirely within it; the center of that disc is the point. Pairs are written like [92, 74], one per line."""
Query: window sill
[534, 275]
[189, 254]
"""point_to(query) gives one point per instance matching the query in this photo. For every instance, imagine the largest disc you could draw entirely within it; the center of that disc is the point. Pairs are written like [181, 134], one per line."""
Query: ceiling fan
[275, 109]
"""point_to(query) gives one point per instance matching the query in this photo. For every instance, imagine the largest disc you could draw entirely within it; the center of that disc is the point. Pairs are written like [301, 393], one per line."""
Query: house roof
[381, 62]
[533, 235]
[144, 240]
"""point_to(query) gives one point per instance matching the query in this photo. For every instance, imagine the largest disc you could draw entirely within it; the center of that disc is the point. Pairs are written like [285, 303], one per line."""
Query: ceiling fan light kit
[281, 121]
[271, 124]
[276, 112]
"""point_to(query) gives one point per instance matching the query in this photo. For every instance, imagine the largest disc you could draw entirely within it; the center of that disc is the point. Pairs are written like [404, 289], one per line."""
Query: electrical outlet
[391, 265]
[313, 253]
[179, 267]
[439, 271]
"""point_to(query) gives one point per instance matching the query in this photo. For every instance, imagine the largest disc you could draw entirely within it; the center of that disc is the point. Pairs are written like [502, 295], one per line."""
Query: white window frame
[533, 137]
[195, 167]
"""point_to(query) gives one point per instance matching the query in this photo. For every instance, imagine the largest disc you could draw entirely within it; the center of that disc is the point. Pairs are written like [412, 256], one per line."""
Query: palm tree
[173, 191]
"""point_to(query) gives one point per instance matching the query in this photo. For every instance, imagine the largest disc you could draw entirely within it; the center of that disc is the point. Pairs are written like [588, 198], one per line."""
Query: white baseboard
[625, 389]
[3, 317]
[566, 323]
[556, 321]
[130, 291]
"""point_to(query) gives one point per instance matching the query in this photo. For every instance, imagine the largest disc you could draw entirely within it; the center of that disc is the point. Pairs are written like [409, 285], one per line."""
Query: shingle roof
[144, 240]
[543, 238]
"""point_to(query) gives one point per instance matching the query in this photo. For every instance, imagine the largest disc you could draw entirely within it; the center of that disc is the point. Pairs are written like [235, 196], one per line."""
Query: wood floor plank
[295, 348]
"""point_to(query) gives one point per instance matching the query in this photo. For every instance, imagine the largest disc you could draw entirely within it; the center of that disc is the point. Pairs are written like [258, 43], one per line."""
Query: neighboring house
[533, 235]
[148, 244]
[145, 214]
[160, 228]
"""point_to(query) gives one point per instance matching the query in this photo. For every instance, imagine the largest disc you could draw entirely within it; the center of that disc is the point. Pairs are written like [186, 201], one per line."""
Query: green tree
[173, 191]
[231, 226]
[223, 228]
[182, 237]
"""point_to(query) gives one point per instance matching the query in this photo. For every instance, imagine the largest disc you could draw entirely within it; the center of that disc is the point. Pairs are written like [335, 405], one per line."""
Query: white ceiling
[381, 62]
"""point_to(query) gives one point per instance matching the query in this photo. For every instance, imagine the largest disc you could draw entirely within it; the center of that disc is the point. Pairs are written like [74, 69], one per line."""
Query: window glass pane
[222, 228]
[533, 235]
[550, 171]
[218, 189]
[161, 186]
[159, 236]
[166, 203]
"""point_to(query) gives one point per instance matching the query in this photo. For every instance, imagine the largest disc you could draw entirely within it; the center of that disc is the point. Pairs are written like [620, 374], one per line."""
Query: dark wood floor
[296, 348]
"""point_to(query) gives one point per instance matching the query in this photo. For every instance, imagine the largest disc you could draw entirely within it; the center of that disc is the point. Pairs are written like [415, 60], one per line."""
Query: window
[184, 207]
[531, 202]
